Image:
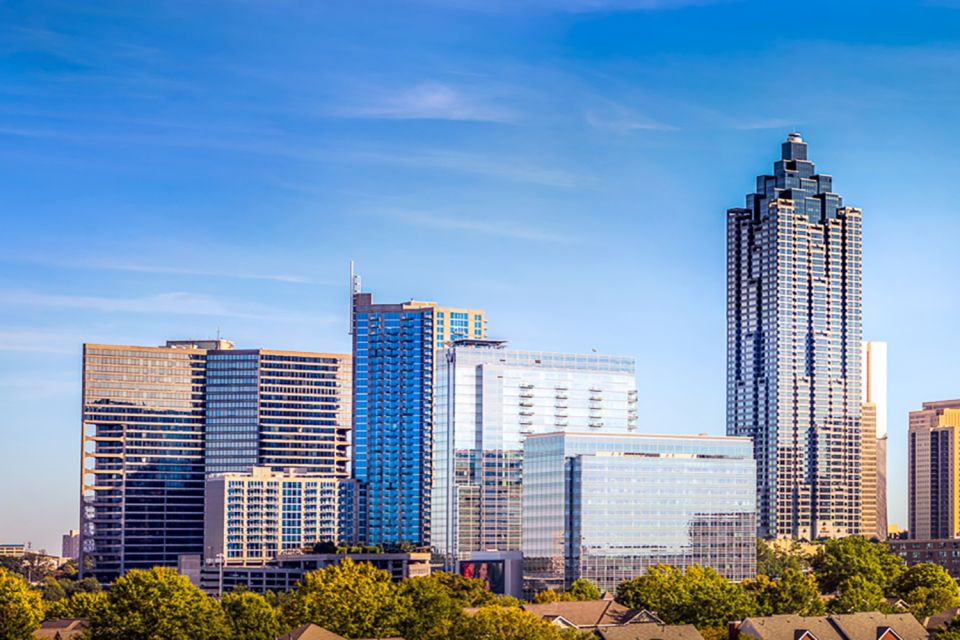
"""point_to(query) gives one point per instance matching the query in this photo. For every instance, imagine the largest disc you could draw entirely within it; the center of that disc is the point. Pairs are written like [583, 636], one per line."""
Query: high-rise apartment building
[394, 349]
[458, 324]
[487, 399]
[933, 475]
[70, 544]
[793, 347]
[157, 419]
[606, 506]
[250, 518]
[873, 486]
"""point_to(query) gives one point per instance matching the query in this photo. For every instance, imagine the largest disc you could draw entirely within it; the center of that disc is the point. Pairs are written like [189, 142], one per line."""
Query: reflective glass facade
[607, 506]
[487, 400]
[793, 347]
[393, 350]
[157, 419]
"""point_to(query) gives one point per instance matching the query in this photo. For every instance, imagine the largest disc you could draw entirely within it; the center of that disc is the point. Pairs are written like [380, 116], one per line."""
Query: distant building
[933, 477]
[64, 629]
[251, 518]
[794, 336]
[393, 349]
[14, 550]
[605, 506]
[284, 572]
[70, 547]
[157, 419]
[873, 485]
[487, 400]
[944, 552]
[849, 626]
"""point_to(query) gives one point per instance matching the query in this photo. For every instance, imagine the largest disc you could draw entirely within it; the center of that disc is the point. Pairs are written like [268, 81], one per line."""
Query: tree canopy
[21, 608]
[841, 559]
[249, 616]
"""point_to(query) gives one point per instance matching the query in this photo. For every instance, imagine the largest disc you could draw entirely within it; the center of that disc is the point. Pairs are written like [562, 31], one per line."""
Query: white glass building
[605, 506]
[487, 400]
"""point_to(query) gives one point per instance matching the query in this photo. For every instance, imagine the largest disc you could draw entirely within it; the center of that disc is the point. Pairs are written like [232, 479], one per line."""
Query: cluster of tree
[579, 590]
[841, 576]
[355, 600]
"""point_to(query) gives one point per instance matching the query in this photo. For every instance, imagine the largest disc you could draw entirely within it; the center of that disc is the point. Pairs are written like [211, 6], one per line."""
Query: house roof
[310, 632]
[942, 619]
[68, 628]
[650, 631]
[586, 613]
[851, 626]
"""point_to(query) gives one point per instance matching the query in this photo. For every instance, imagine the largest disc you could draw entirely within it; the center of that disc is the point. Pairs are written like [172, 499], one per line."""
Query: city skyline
[541, 171]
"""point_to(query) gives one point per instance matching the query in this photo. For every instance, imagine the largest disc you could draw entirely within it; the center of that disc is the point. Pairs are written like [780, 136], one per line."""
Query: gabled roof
[310, 632]
[942, 619]
[870, 625]
[586, 613]
[68, 628]
[650, 631]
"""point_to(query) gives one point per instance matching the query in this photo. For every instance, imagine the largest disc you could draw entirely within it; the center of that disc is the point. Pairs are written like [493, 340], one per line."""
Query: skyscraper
[157, 419]
[487, 400]
[933, 476]
[793, 347]
[874, 457]
[393, 350]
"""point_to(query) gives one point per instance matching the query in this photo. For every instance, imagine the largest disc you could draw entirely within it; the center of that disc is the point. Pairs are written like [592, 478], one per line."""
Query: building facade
[933, 477]
[605, 507]
[873, 486]
[793, 348]
[156, 420]
[70, 544]
[251, 518]
[487, 400]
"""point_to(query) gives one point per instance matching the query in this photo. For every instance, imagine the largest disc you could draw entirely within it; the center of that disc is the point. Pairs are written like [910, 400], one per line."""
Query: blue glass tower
[393, 417]
[793, 347]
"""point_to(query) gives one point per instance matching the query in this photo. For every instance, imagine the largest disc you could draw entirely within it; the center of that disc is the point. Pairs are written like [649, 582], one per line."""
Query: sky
[172, 170]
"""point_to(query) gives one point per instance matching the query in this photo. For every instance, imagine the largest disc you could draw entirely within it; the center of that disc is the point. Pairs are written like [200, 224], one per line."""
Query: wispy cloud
[38, 341]
[426, 101]
[572, 6]
[765, 123]
[514, 169]
[616, 117]
[504, 228]
[177, 302]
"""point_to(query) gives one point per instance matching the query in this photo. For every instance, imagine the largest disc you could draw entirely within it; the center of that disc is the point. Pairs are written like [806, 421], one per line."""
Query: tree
[356, 600]
[583, 589]
[249, 616]
[660, 589]
[468, 592]
[504, 623]
[840, 559]
[159, 603]
[21, 608]
[551, 595]
[793, 592]
[429, 609]
[927, 589]
[83, 604]
[856, 593]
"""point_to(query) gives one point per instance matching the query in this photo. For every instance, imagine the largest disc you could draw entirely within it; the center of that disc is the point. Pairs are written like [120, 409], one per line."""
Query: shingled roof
[852, 626]
[589, 614]
[650, 631]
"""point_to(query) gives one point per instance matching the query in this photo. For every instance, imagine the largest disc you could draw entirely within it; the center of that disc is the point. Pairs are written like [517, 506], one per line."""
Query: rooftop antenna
[354, 289]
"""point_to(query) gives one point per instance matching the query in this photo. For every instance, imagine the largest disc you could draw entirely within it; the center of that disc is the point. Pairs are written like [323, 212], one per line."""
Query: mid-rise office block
[607, 506]
[793, 347]
[933, 476]
[873, 486]
[251, 518]
[157, 419]
[70, 544]
[487, 400]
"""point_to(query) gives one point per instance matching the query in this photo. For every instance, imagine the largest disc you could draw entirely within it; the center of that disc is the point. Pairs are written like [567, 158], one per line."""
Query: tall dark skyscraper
[793, 347]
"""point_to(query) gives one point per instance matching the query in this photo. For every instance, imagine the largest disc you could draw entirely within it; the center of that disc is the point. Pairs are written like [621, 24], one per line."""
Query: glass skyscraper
[793, 347]
[606, 506]
[156, 420]
[487, 400]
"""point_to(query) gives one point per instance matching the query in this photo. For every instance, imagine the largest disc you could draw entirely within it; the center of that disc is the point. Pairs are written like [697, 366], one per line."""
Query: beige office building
[873, 487]
[933, 474]
[251, 518]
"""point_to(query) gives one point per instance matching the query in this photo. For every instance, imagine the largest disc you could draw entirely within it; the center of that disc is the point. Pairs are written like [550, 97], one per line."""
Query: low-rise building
[851, 626]
[284, 572]
[590, 615]
[12, 550]
[944, 552]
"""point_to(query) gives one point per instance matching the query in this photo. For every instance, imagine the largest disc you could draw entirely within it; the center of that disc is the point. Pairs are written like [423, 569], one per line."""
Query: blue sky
[168, 169]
